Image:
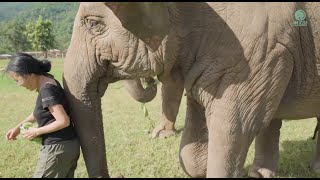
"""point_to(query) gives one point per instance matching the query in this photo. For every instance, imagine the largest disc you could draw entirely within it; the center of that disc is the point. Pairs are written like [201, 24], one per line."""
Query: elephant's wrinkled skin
[244, 66]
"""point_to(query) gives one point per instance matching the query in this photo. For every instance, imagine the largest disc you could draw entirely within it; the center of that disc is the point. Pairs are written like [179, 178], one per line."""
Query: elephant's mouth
[115, 73]
[106, 69]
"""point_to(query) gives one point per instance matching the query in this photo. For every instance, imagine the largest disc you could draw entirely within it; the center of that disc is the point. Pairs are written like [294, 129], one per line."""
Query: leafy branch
[144, 107]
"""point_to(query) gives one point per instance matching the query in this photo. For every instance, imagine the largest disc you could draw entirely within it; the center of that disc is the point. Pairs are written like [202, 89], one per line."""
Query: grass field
[130, 151]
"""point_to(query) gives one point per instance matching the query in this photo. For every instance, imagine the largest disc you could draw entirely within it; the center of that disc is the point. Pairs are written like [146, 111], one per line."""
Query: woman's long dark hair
[24, 64]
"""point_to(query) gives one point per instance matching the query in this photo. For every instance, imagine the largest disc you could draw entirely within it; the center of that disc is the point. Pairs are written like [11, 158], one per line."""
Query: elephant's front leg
[266, 151]
[228, 141]
[315, 163]
[171, 94]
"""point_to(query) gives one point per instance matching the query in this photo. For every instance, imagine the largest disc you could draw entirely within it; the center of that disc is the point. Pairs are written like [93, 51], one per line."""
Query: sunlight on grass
[130, 151]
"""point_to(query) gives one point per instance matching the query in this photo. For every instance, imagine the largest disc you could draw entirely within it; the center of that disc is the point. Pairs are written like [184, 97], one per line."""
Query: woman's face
[27, 81]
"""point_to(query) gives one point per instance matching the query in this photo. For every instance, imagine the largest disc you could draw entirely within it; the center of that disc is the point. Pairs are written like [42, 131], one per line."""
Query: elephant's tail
[316, 130]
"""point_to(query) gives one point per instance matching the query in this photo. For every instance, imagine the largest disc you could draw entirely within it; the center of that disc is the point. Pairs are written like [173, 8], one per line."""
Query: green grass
[130, 151]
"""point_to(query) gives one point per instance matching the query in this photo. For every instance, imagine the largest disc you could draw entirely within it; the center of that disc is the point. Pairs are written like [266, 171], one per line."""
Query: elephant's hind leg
[266, 151]
[194, 142]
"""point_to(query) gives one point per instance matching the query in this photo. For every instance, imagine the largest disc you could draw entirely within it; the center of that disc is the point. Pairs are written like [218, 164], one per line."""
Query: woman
[60, 148]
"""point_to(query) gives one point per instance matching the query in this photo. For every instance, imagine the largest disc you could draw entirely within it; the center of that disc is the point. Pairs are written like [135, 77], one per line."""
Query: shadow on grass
[295, 157]
[294, 160]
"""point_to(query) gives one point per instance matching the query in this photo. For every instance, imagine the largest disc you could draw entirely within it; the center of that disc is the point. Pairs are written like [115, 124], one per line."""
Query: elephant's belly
[299, 108]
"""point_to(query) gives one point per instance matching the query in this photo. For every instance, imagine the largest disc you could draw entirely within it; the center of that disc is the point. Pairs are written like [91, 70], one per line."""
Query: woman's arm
[62, 121]
[30, 118]
[14, 132]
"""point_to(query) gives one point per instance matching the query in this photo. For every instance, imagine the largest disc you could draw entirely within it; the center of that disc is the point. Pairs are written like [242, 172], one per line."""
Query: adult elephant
[244, 66]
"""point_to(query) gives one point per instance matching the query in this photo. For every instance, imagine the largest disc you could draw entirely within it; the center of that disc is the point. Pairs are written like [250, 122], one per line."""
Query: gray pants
[58, 160]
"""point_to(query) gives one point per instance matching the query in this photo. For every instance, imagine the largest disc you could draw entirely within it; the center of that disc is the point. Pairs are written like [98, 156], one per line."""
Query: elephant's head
[110, 42]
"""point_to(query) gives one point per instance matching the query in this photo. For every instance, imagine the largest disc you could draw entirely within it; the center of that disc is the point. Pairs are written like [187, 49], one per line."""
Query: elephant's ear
[147, 20]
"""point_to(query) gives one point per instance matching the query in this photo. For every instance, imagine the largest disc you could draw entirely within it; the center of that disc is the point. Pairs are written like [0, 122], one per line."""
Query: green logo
[300, 17]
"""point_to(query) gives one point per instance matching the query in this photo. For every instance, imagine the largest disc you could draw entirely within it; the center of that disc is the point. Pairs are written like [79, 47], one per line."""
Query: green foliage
[40, 34]
[25, 126]
[146, 116]
[12, 37]
[61, 14]
[12, 9]
[144, 107]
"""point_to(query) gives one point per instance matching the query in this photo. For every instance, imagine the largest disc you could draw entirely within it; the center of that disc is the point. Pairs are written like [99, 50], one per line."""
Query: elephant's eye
[93, 26]
[93, 23]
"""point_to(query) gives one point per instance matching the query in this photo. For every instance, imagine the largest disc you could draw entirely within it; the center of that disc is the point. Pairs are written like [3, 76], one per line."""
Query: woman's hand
[31, 133]
[13, 133]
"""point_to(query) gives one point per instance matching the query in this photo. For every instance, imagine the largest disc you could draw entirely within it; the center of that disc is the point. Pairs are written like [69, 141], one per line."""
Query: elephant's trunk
[136, 90]
[84, 88]
[87, 118]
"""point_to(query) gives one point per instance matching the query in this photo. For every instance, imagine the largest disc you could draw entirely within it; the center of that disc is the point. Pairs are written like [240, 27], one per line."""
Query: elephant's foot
[260, 172]
[315, 166]
[162, 131]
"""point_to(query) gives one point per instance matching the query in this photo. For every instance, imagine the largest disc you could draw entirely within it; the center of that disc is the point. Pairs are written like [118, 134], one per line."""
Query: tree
[40, 34]
[13, 38]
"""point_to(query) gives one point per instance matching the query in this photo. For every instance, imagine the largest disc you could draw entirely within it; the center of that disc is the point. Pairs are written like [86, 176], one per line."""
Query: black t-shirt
[50, 95]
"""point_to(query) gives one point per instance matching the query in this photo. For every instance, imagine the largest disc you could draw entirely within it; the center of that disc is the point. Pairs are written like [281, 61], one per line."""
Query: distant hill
[61, 14]
[12, 9]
